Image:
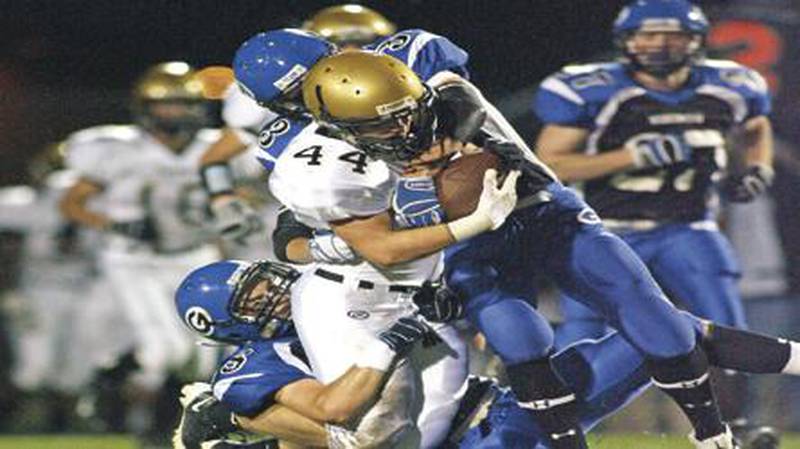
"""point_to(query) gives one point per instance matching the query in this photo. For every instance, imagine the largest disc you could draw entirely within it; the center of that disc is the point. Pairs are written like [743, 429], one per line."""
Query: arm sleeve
[438, 54]
[248, 385]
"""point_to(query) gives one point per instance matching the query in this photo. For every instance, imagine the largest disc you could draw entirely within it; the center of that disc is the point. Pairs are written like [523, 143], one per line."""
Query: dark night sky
[68, 64]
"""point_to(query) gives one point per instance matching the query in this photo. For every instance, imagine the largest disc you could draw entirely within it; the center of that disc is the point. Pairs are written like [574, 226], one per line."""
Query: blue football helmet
[234, 301]
[270, 67]
[660, 16]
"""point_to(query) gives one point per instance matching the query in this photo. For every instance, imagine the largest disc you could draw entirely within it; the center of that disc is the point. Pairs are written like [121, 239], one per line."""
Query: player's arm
[73, 205]
[759, 141]
[562, 149]
[287, 425]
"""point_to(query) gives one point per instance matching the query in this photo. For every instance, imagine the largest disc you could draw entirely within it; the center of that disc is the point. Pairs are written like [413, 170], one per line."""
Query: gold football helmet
[354, 25]
[168, 98]
[375, 100]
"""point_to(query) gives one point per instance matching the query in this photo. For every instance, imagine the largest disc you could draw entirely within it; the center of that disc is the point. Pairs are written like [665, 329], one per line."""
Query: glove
[415, 203]
[746, 186]
[405, 332]
[234, 219]
[494, 206]
[438, 304]
[203, 419]
[657, 150]
[329, 248]
[143, 230]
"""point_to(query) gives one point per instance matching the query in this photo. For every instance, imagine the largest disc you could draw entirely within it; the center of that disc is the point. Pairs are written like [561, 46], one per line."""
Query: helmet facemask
[175, 117]
[262, 297]
[395, 137]
[661, 52]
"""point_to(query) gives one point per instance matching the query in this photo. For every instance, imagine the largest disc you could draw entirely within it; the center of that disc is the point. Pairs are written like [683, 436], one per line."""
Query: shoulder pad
[424, 52]
[734, 75]
[123, 133]
[587, 76]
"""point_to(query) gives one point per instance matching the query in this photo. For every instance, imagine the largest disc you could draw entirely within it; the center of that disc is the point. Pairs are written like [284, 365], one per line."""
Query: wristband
[469, 226]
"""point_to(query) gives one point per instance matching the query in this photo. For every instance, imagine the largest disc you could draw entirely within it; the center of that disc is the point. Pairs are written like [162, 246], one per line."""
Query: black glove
[745, 187]
[461, 110]
[406, 331]
[204, 418]
[438, 304]
[143, 230]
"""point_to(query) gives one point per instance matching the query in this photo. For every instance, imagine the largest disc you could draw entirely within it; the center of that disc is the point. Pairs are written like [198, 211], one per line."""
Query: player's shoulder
[424, 52]
[583, 83]
[121, 134]
[731, 75]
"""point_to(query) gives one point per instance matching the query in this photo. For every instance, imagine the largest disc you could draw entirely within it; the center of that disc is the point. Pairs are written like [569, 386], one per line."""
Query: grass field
[597, 441]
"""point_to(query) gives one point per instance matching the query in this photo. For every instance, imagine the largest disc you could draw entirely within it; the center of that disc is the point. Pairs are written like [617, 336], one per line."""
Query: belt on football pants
[362, 284]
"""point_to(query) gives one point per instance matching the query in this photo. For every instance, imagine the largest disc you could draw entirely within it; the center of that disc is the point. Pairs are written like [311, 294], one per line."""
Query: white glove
[329, 248]
[494, 205]
[234, 219]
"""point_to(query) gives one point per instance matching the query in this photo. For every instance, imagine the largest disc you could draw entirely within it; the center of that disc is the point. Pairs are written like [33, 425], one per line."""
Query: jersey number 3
[314, 155]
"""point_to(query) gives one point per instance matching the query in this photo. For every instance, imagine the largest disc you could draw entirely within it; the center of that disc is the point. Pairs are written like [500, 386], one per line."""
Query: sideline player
[394, 121]
[138, 185]
[266, 383]
[646, 140]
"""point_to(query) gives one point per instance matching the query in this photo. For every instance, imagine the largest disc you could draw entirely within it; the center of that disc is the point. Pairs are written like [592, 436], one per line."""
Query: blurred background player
[138, 185]
[645, 138]
[49, 303]
[344, 25]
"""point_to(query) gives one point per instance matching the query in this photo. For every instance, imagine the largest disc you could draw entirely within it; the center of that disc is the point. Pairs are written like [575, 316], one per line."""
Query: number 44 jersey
[615, 110]
[324, 180]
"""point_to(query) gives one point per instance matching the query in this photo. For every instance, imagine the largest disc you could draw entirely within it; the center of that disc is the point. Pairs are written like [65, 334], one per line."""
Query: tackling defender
[267, 385]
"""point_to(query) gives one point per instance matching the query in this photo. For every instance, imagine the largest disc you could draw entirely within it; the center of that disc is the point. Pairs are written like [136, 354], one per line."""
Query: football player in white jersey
[139, 186]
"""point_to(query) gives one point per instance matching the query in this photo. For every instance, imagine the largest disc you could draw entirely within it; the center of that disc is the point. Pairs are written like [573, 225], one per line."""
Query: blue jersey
[425, 53]
[248, 380]
[603, 99]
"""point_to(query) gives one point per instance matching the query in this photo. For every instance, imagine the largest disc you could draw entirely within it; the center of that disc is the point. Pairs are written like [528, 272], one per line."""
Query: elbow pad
[286, 230]
[461, 110]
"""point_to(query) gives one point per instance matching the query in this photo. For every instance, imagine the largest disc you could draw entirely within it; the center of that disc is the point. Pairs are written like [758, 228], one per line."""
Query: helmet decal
[200, 320]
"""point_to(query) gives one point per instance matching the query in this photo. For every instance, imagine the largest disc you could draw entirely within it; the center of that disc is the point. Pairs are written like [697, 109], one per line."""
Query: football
[459, 184]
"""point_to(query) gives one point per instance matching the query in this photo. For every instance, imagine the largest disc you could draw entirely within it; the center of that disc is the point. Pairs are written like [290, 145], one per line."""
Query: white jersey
[143, 178]
[34, 213]
[322, 180]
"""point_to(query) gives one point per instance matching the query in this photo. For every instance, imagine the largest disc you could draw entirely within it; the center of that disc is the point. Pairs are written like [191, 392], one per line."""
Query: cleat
[724, 440]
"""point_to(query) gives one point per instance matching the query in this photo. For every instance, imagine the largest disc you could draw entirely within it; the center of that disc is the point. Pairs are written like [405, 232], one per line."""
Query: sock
[686, 380]
[750, 352]
[544, 394]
